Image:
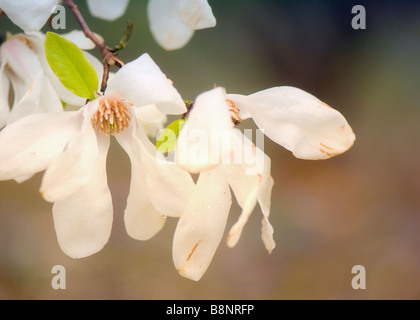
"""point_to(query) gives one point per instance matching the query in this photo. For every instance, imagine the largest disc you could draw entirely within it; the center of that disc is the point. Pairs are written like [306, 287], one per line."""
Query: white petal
[201, 226]
[83, 221]
[151, 119]
[166, 25]
[28, 16]
[142, 83]
[20, 57]
[251, 182]
[168, 187]
[299, 122]
[79, 38]
[197, 14]
[205, 141]
[107, 9]
[73, 168]
[30, 144]
[40, 98]
[142, 220]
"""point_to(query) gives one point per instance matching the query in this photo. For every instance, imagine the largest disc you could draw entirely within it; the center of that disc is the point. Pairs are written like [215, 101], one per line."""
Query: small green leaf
[70, 65]
[167, 139]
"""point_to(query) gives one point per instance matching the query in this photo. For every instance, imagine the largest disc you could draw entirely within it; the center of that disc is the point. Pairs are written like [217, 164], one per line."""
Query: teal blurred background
[361, 208]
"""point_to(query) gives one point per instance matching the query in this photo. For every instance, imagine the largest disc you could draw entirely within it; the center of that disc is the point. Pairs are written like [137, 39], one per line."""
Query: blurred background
[361, 208]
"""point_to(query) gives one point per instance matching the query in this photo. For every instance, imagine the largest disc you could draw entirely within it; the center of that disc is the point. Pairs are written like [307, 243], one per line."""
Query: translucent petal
[196, 14]
[107, 9]
[142, 220]
[83, 220]
[167, 186]
[32, 143]
[40, 98]
[166, 25]
[72, 169]
[141, 82]
[251, 182]
[299, 122]
[201, 226]
[151, 119]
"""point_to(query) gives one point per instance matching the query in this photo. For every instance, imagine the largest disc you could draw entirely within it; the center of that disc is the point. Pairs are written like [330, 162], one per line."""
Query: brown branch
[108, 55]
[2, 13]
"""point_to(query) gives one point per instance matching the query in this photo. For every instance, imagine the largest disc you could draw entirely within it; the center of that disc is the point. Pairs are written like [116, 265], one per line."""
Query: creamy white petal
[79, 38]
[32, 143]
[166, 25]
[107, 9]
[196, 14]
[28, 16]
[151, 119]
[168, 187]
[40, 98]
[205, 141]
[299, 122]
[20, 58]
[141, 82]
[201, 226]
[83, 220]
[250, 181]
[142, 220]
[72, 169]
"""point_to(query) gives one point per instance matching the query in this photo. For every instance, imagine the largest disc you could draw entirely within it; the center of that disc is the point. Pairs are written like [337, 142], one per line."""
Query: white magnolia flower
[27, 76]
[28, 15]
[209, 144]
[72, 147]
[173, 22]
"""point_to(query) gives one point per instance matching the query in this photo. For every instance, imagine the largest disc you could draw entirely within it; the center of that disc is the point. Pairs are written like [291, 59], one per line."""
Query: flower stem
[108, 54]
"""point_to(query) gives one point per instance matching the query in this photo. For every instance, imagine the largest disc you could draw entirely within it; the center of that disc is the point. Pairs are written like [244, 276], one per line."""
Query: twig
[108, 54]
[126, 37]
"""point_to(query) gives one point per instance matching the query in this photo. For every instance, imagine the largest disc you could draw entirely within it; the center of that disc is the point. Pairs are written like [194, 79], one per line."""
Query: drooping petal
[40, 98]
[166, 25]
[80, 40]
[205, 141]
[72, 169]
[32, 143]
[299, 122]
[28, 16]
[167, 186]
[170, 187]
[151, 119]
[83, 220]
[197, 14]
[107, 9]
[201, 226]
[251, 181]
[142, 220]
[141, 82]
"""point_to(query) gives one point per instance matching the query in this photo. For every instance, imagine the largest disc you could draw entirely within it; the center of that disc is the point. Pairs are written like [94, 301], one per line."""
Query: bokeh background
[361, 208]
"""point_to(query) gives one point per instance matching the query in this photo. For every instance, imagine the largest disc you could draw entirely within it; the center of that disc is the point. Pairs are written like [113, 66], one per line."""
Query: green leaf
[70, 65]
[167, 139]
